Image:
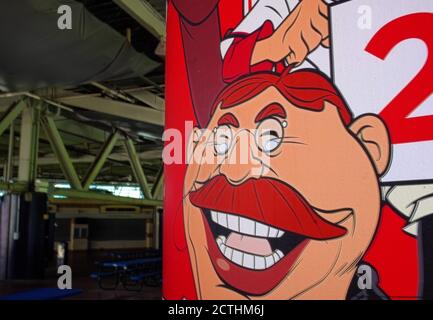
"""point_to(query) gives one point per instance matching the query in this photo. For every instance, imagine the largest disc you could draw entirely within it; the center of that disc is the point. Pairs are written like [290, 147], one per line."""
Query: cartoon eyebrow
[271, 110]
[228, 119]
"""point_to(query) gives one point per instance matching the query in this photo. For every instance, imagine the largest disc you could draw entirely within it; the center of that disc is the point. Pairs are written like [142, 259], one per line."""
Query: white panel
[369, 83]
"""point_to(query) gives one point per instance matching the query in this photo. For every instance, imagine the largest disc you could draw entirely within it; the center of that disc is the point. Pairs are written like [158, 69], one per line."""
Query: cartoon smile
[257, 230]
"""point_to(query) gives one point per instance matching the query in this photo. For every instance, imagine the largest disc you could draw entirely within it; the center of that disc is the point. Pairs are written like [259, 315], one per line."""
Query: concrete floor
[82, 264]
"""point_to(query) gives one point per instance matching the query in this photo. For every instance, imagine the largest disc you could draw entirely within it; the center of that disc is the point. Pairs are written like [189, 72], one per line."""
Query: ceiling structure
[87, 114]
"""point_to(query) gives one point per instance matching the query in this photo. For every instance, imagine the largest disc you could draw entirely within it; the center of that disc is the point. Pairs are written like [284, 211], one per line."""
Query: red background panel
[393, 253]
[177, 275]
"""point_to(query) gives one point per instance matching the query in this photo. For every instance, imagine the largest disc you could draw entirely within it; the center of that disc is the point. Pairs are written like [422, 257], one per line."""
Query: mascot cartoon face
[281, 195]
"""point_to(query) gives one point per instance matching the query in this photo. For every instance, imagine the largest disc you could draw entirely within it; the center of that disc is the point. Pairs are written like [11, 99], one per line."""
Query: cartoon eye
[222, 139]
[269, 135]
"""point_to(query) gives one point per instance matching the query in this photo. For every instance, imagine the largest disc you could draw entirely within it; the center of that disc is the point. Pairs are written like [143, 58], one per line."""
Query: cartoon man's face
[287, 202]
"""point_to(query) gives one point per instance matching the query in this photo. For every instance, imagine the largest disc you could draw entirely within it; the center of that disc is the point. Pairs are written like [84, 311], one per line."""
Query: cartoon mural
[289, 184]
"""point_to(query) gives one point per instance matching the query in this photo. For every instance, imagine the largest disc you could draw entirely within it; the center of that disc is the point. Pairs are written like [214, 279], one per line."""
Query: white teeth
[248, 260]
[221, 240]
[273, 233]
[261, 230]
[276, 257]
[259, 263]
[245, 225]
[269, 261]
[237, 257]
[228, 253]
[222, 219]
[233, 222]
[280, 253]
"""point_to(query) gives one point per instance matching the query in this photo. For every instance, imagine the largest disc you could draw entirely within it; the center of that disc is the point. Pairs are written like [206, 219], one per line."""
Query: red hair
[306, 89]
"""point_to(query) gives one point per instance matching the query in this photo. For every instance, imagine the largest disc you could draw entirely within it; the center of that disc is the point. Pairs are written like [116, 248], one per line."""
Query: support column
[157, 215]
[136, 168]
[149, 234]
[22, 236]
[158, 187]
[9, 169]
[22, 233]
[29, 141]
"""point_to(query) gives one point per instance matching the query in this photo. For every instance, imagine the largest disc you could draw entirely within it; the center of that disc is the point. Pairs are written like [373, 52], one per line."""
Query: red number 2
[403, 129]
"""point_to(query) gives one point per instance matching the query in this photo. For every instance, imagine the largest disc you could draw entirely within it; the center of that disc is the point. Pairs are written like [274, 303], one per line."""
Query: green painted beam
[10, 115]
[9, 169]
[149, 98]
[92, 195]
[61, 153]
[97, 165]
[116, 108]
[137, 168]
[145, 14]
[14, 186]
[157, 190]
[29, 143]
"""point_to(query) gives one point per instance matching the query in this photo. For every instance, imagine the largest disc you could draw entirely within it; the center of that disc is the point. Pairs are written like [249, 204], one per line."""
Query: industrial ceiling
[87, 112]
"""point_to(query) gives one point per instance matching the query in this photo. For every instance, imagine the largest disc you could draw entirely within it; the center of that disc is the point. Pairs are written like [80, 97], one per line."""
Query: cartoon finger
[311, 37]
[325, 42]
[321, 25]
[323, 9]
[291, 57]
[297, 51]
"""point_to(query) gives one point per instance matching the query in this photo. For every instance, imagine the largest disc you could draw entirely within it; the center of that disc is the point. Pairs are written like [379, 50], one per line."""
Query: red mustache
[266, 200]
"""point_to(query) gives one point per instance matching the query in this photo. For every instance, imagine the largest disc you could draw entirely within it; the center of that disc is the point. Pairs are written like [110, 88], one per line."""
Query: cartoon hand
[298, 35]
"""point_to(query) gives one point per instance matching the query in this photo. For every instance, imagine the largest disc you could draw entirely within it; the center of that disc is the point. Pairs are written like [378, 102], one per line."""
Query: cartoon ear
[373, 135]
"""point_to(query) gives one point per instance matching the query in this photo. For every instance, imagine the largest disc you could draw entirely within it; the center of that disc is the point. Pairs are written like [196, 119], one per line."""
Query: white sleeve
[413, 201]
[273, 10]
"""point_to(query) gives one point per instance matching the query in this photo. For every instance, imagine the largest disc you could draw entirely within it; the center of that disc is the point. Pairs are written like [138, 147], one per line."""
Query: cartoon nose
[242, 161]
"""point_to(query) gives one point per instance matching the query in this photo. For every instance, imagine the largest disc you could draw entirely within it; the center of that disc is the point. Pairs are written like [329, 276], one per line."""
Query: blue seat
[141, 276]
[129, 273]
[42, 294]
[127, 263]
[98, 275]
